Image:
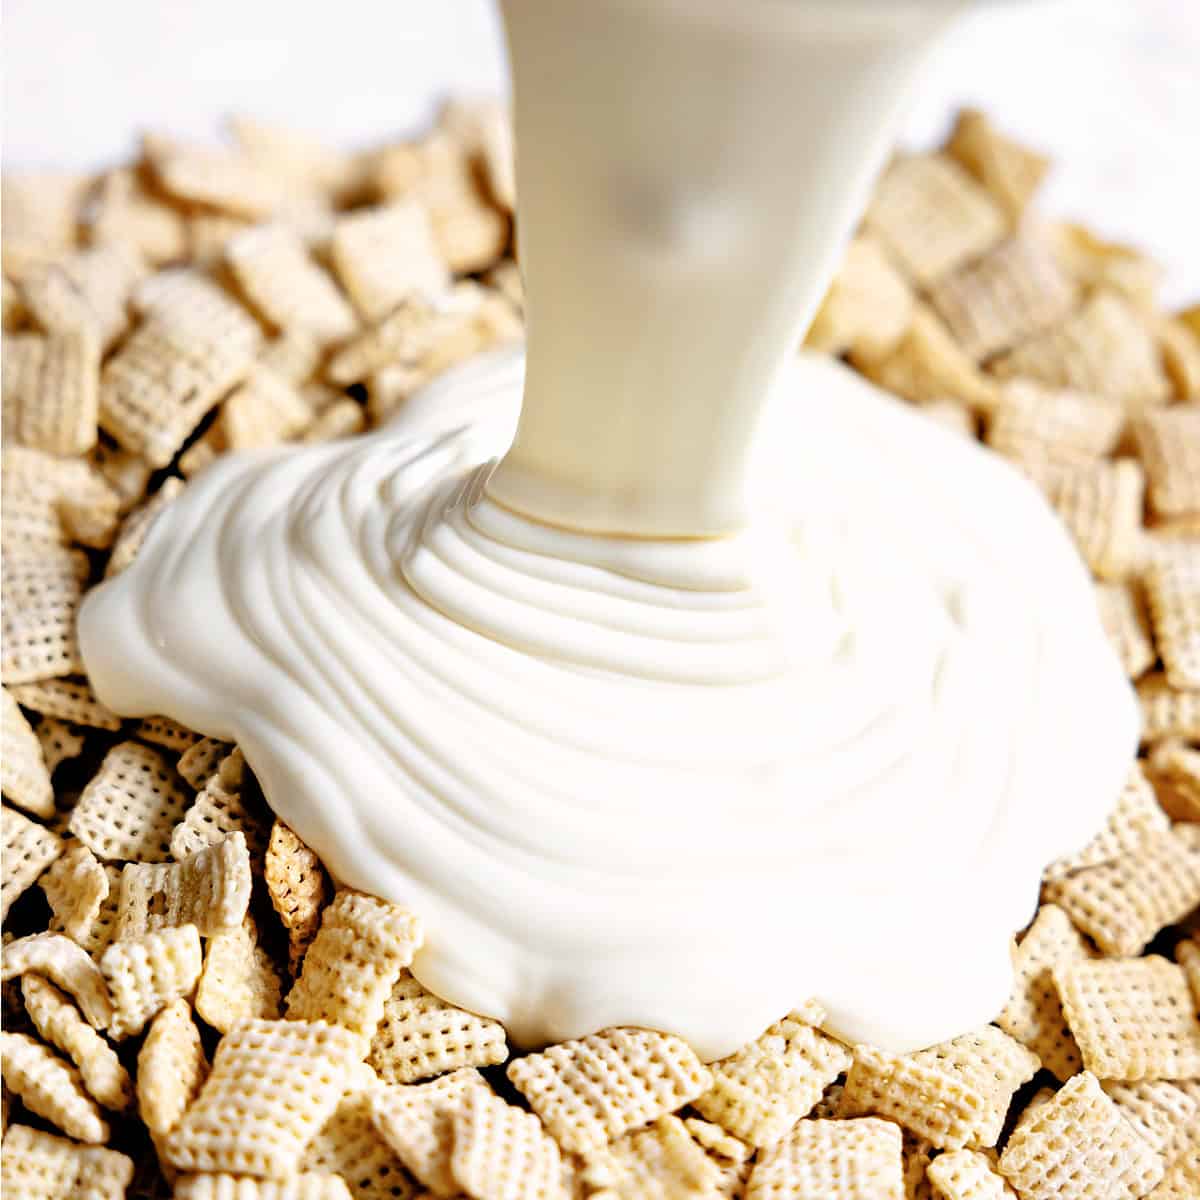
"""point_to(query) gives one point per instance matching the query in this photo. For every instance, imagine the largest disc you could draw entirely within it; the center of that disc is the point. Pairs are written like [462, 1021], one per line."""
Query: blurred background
[1110, 88]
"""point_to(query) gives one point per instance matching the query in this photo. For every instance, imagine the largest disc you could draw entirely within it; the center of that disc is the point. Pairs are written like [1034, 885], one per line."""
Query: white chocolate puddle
[669, 783]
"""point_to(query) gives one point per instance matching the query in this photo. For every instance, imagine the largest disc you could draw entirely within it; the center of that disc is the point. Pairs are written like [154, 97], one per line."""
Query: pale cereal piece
[1174, 769]
[209, 889]
[1167, 712]
[1180, 349]
[967, 1175]
[126, 473]
[1109, 266]
[384, 254]
[1135, 820]
[294, 355]
[41, 216]
[1079, 1147]
[40, 596]
[1122, 904]
[308, 1185]
[501, 1151]
[62, 962]
[59, 742]
[220, 809]
[285, 151]
[954, 1094]
[229, 182]
[200, 760]
[24, 775]
[591, 1090]
[137, 525]
[483, 128]
[1104, 347]
[50, 1087]
[763, 1089]
[1133, 1019]
[94, 935]
[67, 699]
[1010, 172]
[1123, 615]
[145, 974]
[55, 500]
[125, 213]
[29, 848]
[421, 1035]
[926, 364]
[354, 961]
[59, 1022]
[917, 1153]
[660, 1162]
[76, 886]
[275, 270]
[209, 235]
[1187, 955]
[171, 1069]
[1033, 1014]
[505, 277]
[55, 393]
[1161, 1112]
[263, 410]
[417, 1123]
[932, 216]
[239, 981]
[41, 1166]
[829, 1107]
[1173, 591]
[341, 419]
[867, 307]
[717, 1140]
[298, 887]
[131, 805]
[272, 1085]
[1168, 443]
[163, 731]
[1036, 422]
[834, 1160]
[1182, 1178]
[403, 335]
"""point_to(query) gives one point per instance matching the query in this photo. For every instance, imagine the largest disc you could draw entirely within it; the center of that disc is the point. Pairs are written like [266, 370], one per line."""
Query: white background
[1110, 87]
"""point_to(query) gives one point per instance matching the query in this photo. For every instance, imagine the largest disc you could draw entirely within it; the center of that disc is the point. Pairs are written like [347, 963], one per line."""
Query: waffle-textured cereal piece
[126, 212]
[128, 474]
[41, 1165]
[763, 1089]
[967, 1175]
[1162, 1112]
[1101, 265]
[417, 1123]
[1180, 348]
[1168, 442]
[1011, 173]
[932, 216]
[146, 973]
[1033, 1014]
[89, 287]
[1079, 1147]
[1182, 1178]
[263, 410]
[1174, 768]
[353, 963]
[421, 1035]
[167, 733]
[40, 593]
[954, 1094]
[1173, 590]
[1167, 712]
[137, 524]
[1127, 624]
[1122, 904]
[1032, 421]
[41, 216]
[29, 848]
[59, 742]
[1133, 1019]
[219, 811]
[835, 1160]
[308, 1185]
[68, 700]
[502, 1151]
[50, 1087]
[171, 1069]
[198, 762]
[76, 886]
[55, 393]
[215, 178]
[239, 980]
[24, 776]
[341, 419]
[130, 806]
[209, 889]
[592, 1090]
[59, 1022]
[62, 962]
[94, 935]
[1187, 955]
[271, 1087]
[48, 499]
[660, 1162]
[298, 887]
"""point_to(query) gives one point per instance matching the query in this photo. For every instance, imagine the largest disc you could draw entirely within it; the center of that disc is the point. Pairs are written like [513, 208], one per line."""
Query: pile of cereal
[191, 1008]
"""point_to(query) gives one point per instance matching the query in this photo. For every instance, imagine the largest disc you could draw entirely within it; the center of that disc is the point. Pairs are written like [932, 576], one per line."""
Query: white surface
[1110, 87]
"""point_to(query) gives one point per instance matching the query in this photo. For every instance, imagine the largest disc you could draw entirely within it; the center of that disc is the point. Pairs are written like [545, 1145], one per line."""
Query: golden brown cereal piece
[421, 1035]
[1079, 1147]
[63, 962]
[239, 980]
[1122, 904]
[40, 593]
[1125, 621]
[1180, 347]
[954, 1094]
[763, 1089]
[1015, 290]
[298, 889]
[1174, 769]
[271, 1087]
[917, 1154]
[171, 1069]
[137, 525]
[50, 1087]
[1104, 347]
[382, 255]
[59, 1022]
[56, 391]
[1034, 1014]
[37, 1164]
[592, 1090]
[1161, 1112]
[834, 1160]
[309, 1185]
[1173, 590]
[932, 216]
[209, 889]
[59, 742]
[1036, 422]
[1106, 266]
[1010, 172]
[76, 886]
[29, 848]
[126, 213]
[1133, 1019]
[145, 974]
[25, 777]
[967, 1175]
[353, 963]
[417, 1122]
[163, 731]
[660, 1162]
[69, 700]
[1167, 712]
[131, 805]
[868, 305]
[502, 1151]
[198, 762]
